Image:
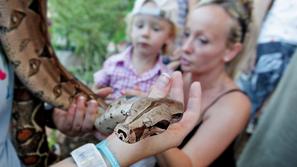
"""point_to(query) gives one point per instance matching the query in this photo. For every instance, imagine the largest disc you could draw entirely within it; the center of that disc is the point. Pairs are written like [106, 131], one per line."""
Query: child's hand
[133, 92]
[173, 65]
[103, 92]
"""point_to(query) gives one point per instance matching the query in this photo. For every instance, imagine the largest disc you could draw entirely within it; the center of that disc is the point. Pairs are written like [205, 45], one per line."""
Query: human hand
[103, 92]
[133, 92]
[79, 119]
[174, 135]
[173, 65]
[176, 54]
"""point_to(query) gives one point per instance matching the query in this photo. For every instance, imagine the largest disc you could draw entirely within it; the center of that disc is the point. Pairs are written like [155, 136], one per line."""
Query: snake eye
[162, 124]
[122, 135]
[176, 117]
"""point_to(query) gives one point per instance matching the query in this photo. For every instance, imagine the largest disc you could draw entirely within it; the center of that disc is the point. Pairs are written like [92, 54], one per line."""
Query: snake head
[149, 117]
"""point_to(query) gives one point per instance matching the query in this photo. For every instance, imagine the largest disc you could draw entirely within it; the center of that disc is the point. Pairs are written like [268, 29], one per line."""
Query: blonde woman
[213, 39]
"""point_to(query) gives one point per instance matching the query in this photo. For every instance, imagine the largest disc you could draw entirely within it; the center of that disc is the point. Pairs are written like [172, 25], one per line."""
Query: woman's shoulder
[233, 104]
[231, 112]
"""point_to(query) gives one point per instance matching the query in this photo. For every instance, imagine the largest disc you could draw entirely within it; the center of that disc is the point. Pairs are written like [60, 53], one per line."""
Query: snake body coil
[25, 41]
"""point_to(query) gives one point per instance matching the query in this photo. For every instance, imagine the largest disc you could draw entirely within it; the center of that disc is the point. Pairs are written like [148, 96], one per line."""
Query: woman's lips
[184, 62]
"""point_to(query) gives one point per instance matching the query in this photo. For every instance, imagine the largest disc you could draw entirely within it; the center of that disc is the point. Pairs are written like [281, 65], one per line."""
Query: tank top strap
[193, 131]
[222, 95]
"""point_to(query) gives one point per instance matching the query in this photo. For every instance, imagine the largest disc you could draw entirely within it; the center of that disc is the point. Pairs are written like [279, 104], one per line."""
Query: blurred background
[84, 33]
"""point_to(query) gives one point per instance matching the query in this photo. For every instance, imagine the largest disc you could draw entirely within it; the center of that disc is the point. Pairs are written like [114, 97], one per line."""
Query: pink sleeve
[102, 77]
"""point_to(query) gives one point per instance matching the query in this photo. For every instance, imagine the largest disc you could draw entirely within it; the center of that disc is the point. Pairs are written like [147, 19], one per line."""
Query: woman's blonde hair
[241, 12]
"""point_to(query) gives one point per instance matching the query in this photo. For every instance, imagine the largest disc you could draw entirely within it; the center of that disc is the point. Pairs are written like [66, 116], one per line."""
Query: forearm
[173, 158]
[68, 162]
[124, 153]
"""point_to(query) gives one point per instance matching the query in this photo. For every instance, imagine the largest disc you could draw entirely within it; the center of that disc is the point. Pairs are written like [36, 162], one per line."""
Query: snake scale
[25, 41]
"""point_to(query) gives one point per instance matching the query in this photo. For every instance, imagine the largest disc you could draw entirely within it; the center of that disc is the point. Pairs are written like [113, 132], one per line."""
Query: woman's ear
[232, 51]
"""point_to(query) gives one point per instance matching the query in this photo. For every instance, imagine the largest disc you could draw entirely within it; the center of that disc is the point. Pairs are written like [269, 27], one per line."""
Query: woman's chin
[185, 68]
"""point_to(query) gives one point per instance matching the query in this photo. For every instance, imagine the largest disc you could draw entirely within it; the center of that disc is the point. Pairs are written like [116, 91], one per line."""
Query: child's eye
[139, 25]
[156, 29]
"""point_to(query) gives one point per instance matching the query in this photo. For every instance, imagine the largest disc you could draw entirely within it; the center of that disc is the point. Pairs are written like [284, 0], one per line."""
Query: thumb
[193, 111]
[161, 88]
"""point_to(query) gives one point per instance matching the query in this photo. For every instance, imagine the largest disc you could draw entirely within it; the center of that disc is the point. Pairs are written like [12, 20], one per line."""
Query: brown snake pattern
[29, 119]
[24, 38]
[25, 41]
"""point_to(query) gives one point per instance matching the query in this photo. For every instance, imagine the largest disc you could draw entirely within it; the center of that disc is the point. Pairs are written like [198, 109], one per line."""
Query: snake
[40, 77]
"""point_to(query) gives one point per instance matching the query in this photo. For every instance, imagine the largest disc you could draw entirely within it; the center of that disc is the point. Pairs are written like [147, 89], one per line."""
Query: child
[151, 30]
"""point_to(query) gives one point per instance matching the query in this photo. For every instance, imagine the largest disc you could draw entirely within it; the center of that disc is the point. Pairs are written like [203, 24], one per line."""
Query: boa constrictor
[25, 41]
[139, 117]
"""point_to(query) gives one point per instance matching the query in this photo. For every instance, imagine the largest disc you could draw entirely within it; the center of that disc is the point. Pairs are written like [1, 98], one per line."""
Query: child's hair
[241, 12]
[167, 10]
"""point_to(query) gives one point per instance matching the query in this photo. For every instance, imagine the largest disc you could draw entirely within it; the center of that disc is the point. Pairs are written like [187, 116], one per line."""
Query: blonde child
[151, 28]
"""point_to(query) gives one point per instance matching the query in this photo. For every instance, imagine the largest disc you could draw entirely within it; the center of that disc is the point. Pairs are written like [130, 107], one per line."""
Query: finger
[161, 88]
[193, 111]
[68, 122]
[90, 116]
[176, 54]
[173, 65]
[79, 114]
[103, 92]
[132, 92]
[177, 88]
[58, 116]
[137, 87]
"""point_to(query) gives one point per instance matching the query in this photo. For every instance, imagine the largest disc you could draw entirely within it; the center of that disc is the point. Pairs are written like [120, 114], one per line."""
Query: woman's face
[205, 39]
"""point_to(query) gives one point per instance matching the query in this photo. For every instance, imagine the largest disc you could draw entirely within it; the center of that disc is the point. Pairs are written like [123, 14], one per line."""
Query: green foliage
[86, 27]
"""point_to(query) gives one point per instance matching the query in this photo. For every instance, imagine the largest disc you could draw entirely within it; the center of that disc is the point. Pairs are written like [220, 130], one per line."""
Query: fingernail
[123, 92]
[164, 79]
[93, 101]
[81, 97]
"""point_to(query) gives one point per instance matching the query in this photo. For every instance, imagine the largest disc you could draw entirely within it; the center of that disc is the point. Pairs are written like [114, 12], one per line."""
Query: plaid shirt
[118, 73]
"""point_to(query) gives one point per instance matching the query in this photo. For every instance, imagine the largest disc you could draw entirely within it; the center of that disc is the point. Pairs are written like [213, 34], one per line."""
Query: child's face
[205, 39]
[149, 33]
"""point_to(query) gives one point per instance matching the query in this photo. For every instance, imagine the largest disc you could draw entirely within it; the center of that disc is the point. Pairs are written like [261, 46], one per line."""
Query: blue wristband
[103, 148]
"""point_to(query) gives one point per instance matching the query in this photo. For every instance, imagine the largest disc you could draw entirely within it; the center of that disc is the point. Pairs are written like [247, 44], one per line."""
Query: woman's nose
[187, 46]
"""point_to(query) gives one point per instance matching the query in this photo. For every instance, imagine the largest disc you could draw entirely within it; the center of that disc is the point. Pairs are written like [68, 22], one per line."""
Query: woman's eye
[203, 41]
[186, 34]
